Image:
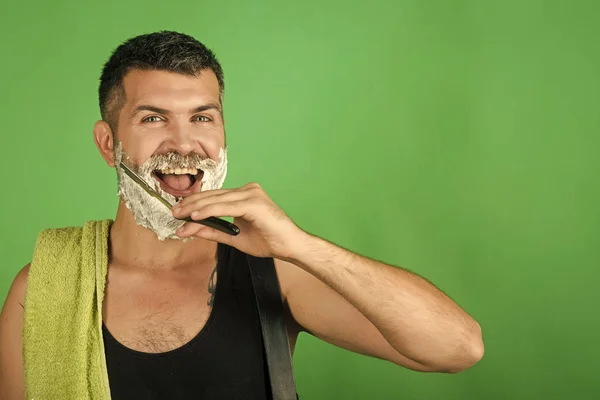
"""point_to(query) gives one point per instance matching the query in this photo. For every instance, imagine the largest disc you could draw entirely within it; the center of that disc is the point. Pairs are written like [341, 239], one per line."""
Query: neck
[134, 245]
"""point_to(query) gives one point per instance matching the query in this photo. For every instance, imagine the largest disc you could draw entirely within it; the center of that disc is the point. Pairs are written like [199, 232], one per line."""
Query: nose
[181, 141]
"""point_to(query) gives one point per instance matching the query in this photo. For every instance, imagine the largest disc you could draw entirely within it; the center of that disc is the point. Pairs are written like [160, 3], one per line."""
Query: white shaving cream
[150, 212]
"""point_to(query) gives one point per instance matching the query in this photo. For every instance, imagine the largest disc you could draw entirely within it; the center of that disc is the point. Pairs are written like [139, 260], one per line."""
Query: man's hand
[265, 230]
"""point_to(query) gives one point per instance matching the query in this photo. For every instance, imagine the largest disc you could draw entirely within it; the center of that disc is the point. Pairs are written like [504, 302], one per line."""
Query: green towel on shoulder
[63, 350]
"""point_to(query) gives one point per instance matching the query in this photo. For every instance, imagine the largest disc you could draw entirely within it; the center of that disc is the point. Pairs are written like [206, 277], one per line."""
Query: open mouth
[179, 182]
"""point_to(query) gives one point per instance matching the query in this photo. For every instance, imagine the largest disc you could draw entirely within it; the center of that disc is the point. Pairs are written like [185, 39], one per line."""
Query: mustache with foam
[172, 160]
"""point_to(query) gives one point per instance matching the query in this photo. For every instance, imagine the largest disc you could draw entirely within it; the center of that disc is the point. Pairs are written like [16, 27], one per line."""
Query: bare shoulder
[18, 288]
[11, 329]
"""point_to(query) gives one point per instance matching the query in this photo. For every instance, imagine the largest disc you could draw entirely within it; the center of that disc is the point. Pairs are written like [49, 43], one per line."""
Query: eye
[201, 118]
[152, 118]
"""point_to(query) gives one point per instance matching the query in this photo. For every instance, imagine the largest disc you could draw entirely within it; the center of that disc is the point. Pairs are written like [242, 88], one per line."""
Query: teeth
[179, 171]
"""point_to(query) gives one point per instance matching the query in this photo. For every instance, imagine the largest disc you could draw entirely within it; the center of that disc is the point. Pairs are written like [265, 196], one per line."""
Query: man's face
[171, 131]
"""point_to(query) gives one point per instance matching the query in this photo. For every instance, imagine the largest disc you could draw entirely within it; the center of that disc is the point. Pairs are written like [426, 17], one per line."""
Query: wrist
[307, 250]
[299, 247]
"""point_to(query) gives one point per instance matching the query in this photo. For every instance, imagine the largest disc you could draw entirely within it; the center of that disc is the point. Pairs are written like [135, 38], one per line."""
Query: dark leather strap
[270, 309]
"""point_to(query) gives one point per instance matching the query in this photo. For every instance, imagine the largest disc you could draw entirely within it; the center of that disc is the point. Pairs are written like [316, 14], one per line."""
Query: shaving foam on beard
[149, 212]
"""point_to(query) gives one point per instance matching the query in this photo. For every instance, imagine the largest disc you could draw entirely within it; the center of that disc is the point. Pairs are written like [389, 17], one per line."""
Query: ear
[103, 137]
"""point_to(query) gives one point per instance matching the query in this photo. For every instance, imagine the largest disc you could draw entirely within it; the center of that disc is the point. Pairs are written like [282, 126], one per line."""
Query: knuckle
[253, 185]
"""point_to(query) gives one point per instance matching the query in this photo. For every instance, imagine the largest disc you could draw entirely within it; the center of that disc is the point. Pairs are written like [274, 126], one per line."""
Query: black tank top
[224, 361]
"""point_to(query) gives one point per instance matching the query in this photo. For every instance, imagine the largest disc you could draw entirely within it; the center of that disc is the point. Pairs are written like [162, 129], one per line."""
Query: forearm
[416, 318]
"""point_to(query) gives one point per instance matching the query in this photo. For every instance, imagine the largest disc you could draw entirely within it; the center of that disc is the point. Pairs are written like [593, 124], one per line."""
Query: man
[176, 314]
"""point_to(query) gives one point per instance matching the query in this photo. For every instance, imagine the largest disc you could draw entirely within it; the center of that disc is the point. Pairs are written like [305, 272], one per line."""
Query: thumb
[209, 233]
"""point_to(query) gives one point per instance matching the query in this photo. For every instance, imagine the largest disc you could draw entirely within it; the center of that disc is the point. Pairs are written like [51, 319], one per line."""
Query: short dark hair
[164, 50]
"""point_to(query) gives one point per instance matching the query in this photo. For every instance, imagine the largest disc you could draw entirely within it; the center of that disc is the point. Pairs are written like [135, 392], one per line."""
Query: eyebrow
[147, 107]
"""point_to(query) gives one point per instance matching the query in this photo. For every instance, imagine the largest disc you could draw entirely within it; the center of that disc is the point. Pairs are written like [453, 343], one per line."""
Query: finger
[226, 209]
[200, 195]
[189, 229]
[214, 192]
[204, 232]
[214, 235]
[183, 210]
[208, 193]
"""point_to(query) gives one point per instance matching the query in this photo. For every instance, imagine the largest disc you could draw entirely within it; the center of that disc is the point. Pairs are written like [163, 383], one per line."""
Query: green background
[458, 139]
